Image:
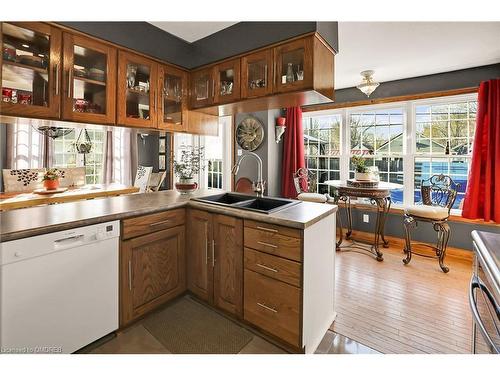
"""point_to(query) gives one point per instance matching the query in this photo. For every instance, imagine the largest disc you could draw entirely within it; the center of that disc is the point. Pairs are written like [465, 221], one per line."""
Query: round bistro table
[379, 196]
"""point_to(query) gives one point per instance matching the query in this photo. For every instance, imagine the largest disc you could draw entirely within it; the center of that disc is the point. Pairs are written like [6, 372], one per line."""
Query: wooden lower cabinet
[215, 259]
[152, 271]
[273, 306]
[199, 254]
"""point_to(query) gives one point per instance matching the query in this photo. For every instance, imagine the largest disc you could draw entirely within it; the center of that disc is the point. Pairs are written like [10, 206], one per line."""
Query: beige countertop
[27, 222]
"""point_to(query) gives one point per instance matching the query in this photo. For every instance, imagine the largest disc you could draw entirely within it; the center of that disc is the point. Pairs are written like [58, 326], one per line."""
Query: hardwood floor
[393, 308]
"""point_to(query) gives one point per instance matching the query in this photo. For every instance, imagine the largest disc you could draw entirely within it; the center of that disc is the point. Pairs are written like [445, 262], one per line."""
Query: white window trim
[409, 132]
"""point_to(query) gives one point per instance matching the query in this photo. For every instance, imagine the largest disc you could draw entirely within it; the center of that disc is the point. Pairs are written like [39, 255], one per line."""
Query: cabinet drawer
[276, 229]
[275, 267]
[273, 306]
[273, 243]
[138, 226]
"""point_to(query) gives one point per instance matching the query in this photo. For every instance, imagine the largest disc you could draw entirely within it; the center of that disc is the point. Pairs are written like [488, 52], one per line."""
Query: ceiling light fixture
[368, 85]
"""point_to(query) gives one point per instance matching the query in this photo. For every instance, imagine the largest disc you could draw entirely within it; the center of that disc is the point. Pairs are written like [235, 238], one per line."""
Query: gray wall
[457, 79]
[148, 148]
[148, 39]
[269, 151]
[460, 232]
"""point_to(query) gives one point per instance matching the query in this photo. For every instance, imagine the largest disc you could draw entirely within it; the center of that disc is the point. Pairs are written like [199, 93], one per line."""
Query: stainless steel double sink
[265, 205]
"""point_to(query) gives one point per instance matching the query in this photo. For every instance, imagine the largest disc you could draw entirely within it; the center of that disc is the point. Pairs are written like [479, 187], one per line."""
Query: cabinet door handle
[56, 79]
[160, 223]
[267, 307]
[154, 100]
[267, 244]
[266, 267]
[69, 83]
[268, 229]
[130, 275]
[206, 250]
[213, 253]
[213, 88]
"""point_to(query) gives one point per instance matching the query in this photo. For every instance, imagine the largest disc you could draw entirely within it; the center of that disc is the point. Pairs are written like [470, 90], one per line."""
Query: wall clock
[250, 134]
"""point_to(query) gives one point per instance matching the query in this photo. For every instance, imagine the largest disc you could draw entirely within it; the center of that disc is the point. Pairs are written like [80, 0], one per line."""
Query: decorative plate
[250, 134]
[48, 192]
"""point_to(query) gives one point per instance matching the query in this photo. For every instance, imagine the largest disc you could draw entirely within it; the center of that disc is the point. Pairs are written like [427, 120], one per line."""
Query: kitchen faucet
[259, 185]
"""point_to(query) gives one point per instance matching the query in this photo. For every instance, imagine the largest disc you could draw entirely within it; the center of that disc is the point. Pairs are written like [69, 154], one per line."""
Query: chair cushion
[312, 197]
[72, 176]
[22, 180]
[428, 212]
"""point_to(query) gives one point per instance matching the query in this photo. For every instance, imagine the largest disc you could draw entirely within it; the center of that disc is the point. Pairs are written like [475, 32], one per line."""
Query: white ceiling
[192, 31]
[395, 50]
[398, 50]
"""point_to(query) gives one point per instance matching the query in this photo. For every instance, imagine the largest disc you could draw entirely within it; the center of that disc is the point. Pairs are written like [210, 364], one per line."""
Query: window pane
[322, 139]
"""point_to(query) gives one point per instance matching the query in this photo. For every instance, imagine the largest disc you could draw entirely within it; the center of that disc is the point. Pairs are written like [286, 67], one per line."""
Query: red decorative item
[293, 151]
[186, 186]
[482, 198]
[51, 184]
[281, 121]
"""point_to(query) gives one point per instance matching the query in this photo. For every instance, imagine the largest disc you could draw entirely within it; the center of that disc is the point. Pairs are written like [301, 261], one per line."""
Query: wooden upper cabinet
[89, 83]
[172, 96]
[228, 263]
[137, 90]
[30, 69]
[202, 88]
[257, 74]
[293, 64]
[199, 254]
[227, 81]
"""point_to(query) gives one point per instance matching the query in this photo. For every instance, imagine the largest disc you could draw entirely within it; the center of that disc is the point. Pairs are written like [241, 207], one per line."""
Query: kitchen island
[274, 272]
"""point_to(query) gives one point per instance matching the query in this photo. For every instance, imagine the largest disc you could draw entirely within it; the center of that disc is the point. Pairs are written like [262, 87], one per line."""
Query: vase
[362, 176]
[51, 184]
[186, 185]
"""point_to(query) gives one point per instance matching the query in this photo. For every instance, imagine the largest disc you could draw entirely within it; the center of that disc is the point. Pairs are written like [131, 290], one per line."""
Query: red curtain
[293, 151]
[482, 198]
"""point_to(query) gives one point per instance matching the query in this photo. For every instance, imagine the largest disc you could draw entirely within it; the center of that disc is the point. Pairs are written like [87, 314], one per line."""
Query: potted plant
[51, 179]
[361, 172]
[185, 168]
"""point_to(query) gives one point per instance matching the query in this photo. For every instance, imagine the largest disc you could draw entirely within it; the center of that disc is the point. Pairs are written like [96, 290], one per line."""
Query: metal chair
[438, 196]
[304, 181]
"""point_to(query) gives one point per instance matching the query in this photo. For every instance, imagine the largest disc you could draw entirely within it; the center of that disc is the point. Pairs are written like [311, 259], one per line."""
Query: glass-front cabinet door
[202, 88]
[30, 69]
[227, 81]
[137, 81]
[294, 70]
[256, 74]
[89, 85]
[172, 96]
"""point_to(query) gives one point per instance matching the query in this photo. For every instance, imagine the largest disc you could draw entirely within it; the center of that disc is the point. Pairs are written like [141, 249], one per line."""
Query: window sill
[399, 209]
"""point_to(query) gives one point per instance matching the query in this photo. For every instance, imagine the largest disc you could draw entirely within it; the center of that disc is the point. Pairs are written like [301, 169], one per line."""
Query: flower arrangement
[189, 165]
[51, 178]
[359, 164]
[190, 162]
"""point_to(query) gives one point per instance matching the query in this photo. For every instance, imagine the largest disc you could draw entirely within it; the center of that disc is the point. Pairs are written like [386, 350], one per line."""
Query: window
[322, 149]
[444, 134]
[425, 137]
[378, 136]
[215, 173]
[65, 155]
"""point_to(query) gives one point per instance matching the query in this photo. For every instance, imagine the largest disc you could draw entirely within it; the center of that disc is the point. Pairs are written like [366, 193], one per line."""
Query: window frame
[98, 168]
[409, 153]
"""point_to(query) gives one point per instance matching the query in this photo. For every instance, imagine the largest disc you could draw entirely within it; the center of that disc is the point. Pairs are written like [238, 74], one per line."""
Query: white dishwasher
[59, 291]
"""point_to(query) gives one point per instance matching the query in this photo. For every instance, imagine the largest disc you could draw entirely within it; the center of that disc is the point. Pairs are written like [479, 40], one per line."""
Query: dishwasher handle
[476, 283]
[68, 242]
